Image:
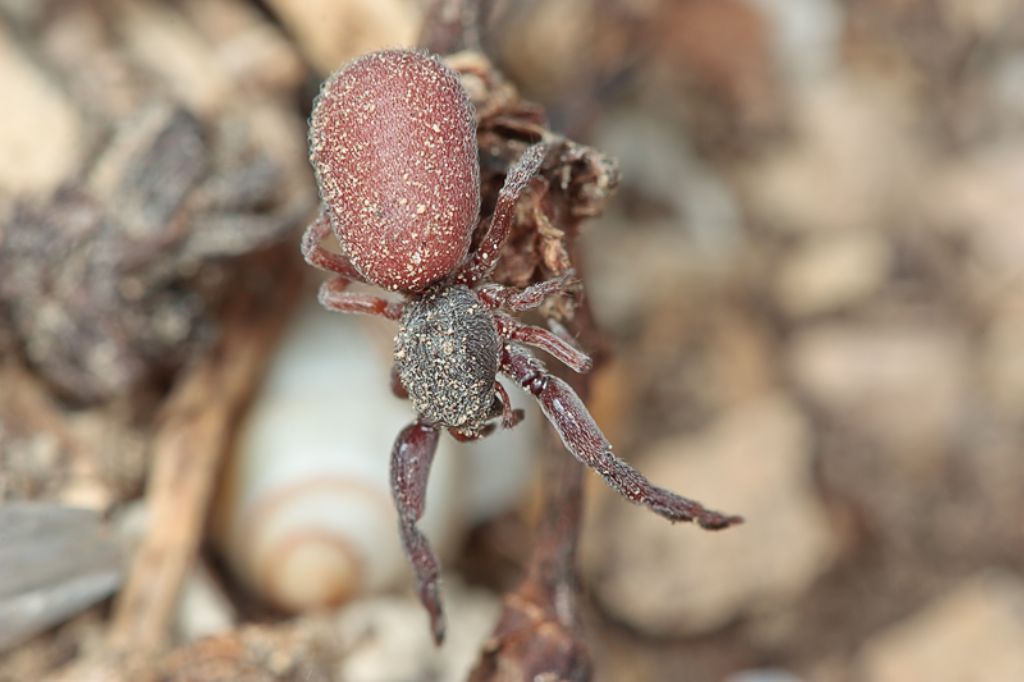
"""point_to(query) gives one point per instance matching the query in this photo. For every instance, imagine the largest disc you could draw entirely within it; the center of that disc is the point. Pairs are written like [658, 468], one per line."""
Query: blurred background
[810, 282]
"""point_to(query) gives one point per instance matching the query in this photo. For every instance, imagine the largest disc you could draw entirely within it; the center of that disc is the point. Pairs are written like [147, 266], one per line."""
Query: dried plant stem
[187, 452]
[539, 631]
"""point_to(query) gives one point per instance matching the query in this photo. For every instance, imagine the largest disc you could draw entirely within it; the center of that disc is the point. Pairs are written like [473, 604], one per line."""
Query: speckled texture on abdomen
[446, 353]
[393, 144]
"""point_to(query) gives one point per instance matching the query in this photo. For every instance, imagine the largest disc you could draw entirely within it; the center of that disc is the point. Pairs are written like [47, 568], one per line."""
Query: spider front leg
[411, 458]
[583, 438]
[518, 179]
[509, 416]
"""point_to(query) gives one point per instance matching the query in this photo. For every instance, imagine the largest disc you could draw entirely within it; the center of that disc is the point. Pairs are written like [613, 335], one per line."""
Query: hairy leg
[519, 300]
[584, 440]
[518, 179]
[514, 330]
[334, 297]
[509, 417]
[321, 258]
[411, 458]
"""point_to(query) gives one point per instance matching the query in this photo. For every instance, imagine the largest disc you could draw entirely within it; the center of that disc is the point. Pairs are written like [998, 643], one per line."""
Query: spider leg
[397, 389]
[509, 417]
[334, 297]
[502, 407]
[549, 342]
[518, 179]
[321, 258]
[520, 300]
[411, 458]
[464, 437]
[583, 438]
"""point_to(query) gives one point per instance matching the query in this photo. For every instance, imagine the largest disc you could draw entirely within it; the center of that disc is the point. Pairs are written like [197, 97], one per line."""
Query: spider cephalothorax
[392, 141]
[446, 354]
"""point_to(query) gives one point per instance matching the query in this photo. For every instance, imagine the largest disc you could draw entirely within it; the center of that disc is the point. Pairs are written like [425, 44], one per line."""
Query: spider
[393, 146]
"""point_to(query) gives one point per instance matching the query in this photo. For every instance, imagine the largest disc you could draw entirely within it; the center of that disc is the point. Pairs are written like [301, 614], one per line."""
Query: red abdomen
[393, 144]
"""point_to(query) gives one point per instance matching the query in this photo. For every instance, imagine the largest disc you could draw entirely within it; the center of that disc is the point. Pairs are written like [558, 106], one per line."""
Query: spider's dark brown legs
[397, 389]
[584, 440]
[319, 257]
[518, 179]
[519, 300]
[514, 330]
[509, 416]
[502, 407]
[411, 458]
[334, 297]
[463, 437]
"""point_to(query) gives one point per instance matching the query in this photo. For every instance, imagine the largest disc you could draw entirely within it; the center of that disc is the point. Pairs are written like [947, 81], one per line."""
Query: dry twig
[187, 452]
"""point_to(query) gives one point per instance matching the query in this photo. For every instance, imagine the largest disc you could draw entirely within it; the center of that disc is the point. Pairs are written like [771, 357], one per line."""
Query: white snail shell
[306, 517]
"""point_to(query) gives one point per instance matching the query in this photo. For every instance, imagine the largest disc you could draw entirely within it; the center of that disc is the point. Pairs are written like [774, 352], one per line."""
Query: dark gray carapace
[447, 352]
